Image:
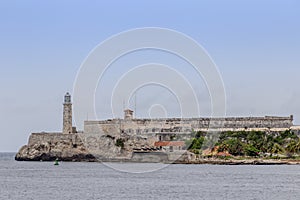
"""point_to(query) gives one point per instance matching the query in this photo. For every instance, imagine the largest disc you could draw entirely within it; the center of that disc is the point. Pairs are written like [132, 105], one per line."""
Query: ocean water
[78, 181]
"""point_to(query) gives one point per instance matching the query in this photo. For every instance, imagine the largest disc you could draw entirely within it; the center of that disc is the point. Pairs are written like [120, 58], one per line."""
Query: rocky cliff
[49, 146]
[80, 147]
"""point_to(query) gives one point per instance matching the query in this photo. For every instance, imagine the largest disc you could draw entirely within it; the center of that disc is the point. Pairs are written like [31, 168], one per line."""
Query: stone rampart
[36, 138]
[178, 125]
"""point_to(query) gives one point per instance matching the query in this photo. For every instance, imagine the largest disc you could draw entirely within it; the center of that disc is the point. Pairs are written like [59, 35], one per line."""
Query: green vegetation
[196, 142]
[120, 142]
[248, 143]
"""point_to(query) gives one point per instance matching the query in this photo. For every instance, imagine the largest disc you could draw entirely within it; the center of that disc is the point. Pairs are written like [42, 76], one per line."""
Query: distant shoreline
[208, 161]
[243, 162]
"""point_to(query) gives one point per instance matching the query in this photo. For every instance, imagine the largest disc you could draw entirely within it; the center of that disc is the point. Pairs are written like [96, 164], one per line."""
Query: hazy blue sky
[254, 43]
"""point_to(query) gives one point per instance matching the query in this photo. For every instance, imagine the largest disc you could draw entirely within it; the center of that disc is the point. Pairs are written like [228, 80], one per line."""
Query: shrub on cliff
[251, 151]
[233, 146]
[250, 143]
[293, 146]
[120, 142]
[195, 143]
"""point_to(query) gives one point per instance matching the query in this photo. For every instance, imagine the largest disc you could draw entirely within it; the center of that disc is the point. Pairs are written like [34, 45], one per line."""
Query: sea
[90, 180]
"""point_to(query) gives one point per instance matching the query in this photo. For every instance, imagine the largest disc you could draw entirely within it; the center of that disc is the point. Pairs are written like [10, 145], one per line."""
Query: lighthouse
[67, 114]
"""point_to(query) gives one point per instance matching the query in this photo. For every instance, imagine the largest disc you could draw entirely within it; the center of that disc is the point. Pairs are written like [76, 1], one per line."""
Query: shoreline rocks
[243, 162]
[91, 148]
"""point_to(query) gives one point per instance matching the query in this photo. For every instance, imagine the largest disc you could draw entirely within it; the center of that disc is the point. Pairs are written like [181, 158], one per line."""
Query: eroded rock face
[80, 147]
[27, 153]
[49, 147]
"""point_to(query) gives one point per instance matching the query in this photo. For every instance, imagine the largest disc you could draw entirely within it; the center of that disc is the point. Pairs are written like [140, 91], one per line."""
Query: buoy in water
[56, 162]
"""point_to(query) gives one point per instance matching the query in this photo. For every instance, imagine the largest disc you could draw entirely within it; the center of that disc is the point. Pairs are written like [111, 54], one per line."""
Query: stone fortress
[130, 139]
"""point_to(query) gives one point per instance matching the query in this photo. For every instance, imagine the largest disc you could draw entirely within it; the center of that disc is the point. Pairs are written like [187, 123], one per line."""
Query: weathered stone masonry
[67, 115]
[177, 125]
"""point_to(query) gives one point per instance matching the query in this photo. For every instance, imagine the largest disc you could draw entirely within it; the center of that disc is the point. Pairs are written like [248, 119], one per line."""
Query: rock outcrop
[49, 146]
[80, 147]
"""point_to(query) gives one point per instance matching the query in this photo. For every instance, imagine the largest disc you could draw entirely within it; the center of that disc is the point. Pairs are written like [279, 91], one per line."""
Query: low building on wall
[296, 129]
[170, 145]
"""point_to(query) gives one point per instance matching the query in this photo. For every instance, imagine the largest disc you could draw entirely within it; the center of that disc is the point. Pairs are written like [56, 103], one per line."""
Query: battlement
[178, 125]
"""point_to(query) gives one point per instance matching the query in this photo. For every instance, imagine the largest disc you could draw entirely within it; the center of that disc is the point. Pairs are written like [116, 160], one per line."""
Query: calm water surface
[77, 181]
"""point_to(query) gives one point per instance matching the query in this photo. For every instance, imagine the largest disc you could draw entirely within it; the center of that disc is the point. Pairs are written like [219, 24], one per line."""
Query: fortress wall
[152, 126]
[254, 123]
[102, 127]
[152, 157]
[142, 126]
[37, 138]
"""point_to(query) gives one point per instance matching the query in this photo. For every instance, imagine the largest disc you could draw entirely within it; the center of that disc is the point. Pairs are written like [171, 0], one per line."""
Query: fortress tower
[67, 115]
[128, 114]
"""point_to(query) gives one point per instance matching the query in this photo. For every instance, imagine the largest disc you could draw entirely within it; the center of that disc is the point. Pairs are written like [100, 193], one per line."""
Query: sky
[255, 45]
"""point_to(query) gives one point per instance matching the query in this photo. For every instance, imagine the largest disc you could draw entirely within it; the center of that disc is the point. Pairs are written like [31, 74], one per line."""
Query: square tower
[128, 114]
